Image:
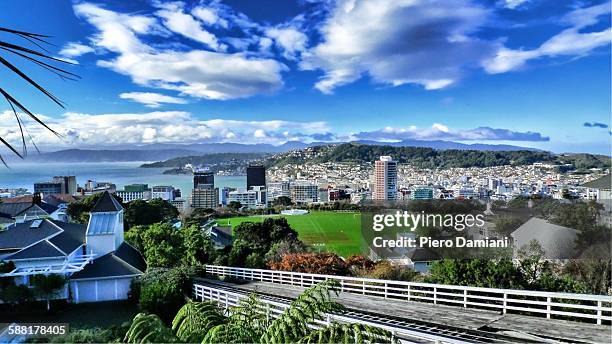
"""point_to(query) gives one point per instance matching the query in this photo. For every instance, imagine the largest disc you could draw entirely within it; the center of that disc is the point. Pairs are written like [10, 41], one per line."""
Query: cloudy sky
[532, 73]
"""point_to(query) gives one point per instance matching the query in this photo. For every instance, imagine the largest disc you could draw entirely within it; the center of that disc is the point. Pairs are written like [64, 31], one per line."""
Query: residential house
[98, 263]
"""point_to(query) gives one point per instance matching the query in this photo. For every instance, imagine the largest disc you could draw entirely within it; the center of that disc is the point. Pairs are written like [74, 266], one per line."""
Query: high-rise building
[385, 179]
[69, 184]
[304, 192]
[48, 188]
[206, 198]
[256, 176]
[203, 179]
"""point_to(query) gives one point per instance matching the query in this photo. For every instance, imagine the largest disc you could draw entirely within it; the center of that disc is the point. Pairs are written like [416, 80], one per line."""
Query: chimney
[37, 198]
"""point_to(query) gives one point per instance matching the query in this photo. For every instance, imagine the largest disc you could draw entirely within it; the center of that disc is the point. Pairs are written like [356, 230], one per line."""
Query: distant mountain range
[164, 151]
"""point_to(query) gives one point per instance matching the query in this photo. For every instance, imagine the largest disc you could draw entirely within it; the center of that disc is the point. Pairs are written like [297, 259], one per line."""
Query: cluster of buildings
[386, 179]
[168, 193]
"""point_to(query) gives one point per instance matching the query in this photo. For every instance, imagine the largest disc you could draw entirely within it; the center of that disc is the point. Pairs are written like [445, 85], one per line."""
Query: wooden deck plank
[458, 317]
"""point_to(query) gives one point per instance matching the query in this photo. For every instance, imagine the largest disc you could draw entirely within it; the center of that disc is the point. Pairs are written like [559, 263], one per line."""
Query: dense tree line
[206, 160]
[433, 158]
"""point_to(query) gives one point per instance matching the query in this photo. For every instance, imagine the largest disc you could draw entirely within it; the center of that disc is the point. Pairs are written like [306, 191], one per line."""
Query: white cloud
[569, 42]
[209, 16]
[175, 19]
[73, 49]
[397, 42]
[198, 73]
[512, 4]
[80, 129]
[150, 99]
[289, 40]
[442, 132]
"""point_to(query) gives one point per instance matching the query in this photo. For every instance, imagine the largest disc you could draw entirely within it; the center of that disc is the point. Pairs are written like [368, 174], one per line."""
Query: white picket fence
[558, 305]
[274, 309]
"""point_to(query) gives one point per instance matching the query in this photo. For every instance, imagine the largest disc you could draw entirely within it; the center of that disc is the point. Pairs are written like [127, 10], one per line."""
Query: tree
[134, 236]
[43, 59]
[280, 249]
[247, 323]
[162, 245]
[141, 212]
[48, 286]
[13, 294]
[234, 205]
[282, 201]
[163, 291]
[255, 239]
[198, 248]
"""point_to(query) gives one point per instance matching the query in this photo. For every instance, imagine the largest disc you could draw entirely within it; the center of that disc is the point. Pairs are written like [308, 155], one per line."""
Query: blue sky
[525, 72]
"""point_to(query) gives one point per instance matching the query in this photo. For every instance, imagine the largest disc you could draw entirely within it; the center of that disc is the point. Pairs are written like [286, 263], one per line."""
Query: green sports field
[337, 232]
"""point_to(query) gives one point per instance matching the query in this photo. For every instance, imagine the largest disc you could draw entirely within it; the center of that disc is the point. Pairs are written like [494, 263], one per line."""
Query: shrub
[385, 270]
[314, 263]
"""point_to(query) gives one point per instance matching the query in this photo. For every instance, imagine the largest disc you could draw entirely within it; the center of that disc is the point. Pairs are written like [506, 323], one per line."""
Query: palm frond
[348, 333]
[148, 328]
[194, 319]
[230, 333]
[36, 57]
[311, 305]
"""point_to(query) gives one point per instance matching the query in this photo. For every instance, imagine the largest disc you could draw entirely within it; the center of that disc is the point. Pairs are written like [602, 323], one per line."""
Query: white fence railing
[274, 309]
[549, 304]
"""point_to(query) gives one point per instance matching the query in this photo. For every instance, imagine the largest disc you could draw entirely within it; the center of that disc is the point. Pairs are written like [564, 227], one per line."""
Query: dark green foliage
[532, 273]
[140, 212]
[163, 291]
[114, 334]
[195, 319]
[593, 272]
[227, 160]
[432, 158]
[234, 205]
[149, 328]
[253, 240]
[15, 294]
[250, 322]
[47, 286]
[197, 246]
[292, 325]
[134, 236]
[348, 333]
[282, 201]
[162, 245]
[477, 273]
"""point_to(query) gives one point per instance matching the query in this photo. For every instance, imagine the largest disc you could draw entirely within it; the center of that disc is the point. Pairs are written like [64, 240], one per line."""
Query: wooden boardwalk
[464, 318]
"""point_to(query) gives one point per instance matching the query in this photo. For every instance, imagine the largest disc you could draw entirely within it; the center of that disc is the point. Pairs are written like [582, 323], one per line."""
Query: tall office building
[256, 176]
[69, 184]
[304, 192]
[48, 188]
[385, 179]
[204, 194]
[203, 179]
[206, 198]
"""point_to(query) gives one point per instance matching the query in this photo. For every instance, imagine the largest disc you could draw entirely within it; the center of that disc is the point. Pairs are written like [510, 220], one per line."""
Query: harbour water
[24, 175]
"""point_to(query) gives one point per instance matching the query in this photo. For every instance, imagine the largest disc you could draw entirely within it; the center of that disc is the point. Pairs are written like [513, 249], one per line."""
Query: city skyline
[527, 73]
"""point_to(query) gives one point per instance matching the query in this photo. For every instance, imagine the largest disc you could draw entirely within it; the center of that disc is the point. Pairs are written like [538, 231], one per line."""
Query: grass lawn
[337, 232]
